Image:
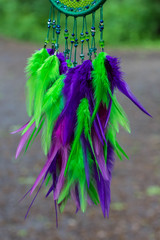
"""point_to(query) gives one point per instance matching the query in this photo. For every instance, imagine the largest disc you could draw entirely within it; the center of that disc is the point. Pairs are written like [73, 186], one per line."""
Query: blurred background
[132, 32]
[126, 21]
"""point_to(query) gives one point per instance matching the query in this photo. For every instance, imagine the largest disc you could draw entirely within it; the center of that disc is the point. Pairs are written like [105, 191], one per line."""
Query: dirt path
[135, 210]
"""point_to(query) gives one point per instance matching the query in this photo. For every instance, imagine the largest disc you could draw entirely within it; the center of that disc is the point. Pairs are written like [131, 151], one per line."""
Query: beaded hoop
[77, 7]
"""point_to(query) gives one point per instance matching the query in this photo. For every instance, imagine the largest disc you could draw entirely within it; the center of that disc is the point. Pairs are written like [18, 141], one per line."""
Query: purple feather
[115, 77]
[63, 68]
[95, 123]
[53, 172]
[47, 165]
[101, 190]
[50, 51]
[101, 160]
[61, 178]
[24, 139]
[77, 86]
[75, 197]
[103, 186]
[36, 195]
[20, 129]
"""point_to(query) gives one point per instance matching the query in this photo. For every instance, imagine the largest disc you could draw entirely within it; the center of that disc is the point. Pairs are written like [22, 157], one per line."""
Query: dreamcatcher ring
[77, 8]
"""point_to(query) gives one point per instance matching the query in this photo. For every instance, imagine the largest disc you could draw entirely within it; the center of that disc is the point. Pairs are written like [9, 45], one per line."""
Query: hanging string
[87, 37]
[93, 31]
[75, 43]
[58, 30]
[101, 28]
[66, 34]
[82, 38]
[49, 26]
[54, 28]
[72, 42]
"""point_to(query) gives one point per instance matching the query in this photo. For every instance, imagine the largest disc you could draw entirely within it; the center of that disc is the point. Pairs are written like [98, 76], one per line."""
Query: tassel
[79, 115]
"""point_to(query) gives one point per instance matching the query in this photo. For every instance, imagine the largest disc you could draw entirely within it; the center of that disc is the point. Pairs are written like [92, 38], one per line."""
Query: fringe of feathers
[78, 115]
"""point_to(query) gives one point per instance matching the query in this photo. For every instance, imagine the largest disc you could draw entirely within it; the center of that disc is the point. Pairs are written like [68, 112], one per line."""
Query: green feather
[52, 106]
[65, 191]
[34, 134]
[101, 84]
[53, 94]
[83, 124]
[117, 117]
[92, 192]
[30, 139]
[28, 125]
[83, 193]
[50, 118]
[49, 178]
[33, 64]
[63, 203]
[47, 75]
[75, 175]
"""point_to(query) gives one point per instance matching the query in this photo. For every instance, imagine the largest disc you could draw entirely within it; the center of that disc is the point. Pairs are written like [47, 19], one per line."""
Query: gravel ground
[135, 209]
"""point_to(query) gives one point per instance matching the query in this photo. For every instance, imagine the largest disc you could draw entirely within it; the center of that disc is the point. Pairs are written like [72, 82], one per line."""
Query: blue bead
[101, 21]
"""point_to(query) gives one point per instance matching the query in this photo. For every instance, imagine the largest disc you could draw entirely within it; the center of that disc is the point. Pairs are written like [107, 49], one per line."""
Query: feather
[86, 164]
[20, 129]
[61, 179]
[34, 63]
[47, 74]
[83, 124]
[23, 140]
[46, 166]
[116, 78]
[79, 116]
[100, 82]
[77, 86]
[52, 107]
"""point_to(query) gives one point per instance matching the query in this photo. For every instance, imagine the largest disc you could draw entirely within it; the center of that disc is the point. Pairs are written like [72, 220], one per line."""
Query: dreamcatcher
[75, 108]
